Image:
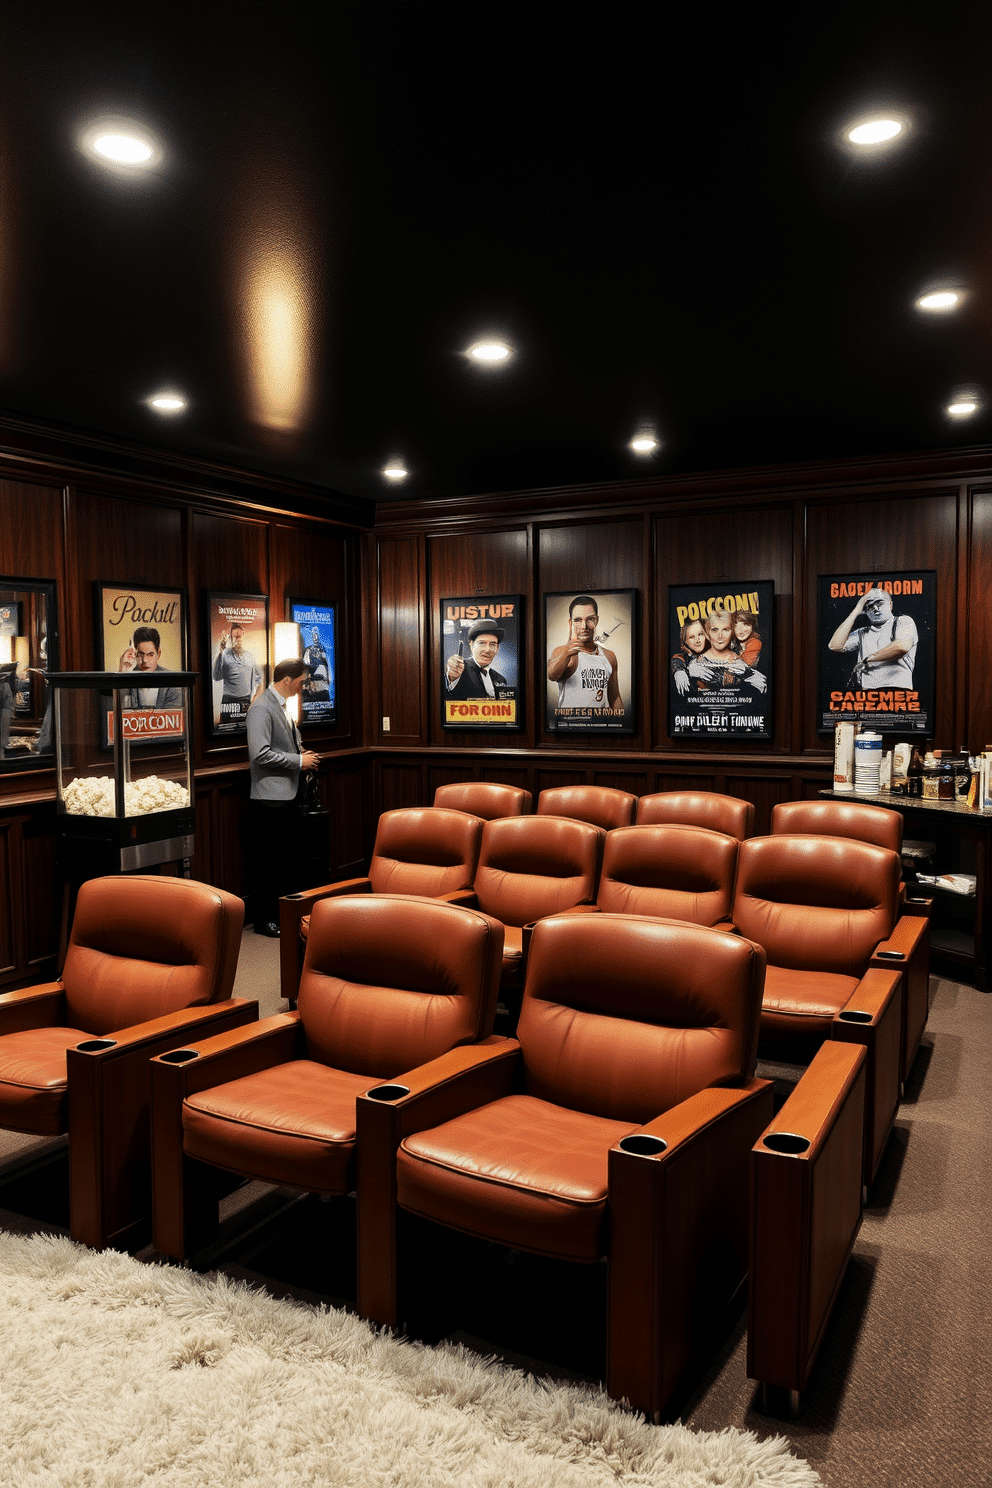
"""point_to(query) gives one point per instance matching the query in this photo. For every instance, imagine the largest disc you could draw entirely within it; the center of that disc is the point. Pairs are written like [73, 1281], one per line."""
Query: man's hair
[237, 626]
[292, 668]
[582, 599]
[147, 633]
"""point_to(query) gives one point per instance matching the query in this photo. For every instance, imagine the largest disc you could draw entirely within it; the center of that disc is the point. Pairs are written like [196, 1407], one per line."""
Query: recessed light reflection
[166, 402]
[940, 300]
[395, 471]
[120, 145]
[962, 407]
[490, 353]
[644, 443]
[875, 132]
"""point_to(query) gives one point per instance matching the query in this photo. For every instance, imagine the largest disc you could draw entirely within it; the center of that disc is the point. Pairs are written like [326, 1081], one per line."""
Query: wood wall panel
[226, 553]
[401, 643]
[10, 903]
[588, 557]
[325, 569]
[712, 549]
[31, 544]
[40, 899]
[480, 565]
[977, 654]
[401, 785]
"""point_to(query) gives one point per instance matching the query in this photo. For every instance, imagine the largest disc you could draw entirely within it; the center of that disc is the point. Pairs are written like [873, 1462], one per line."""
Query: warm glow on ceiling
[644, 444]
[395, 471]
[121, 145]
[278, 347]
[962, 407]
[167, 402]
[875, 132]
[490, 353]
[940, 300]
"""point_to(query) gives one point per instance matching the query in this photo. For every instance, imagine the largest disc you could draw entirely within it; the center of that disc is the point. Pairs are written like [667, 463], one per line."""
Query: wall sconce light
[286, 647]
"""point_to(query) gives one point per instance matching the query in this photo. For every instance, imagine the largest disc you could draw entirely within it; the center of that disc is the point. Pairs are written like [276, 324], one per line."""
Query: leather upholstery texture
[148, 945]
[674, 872]
[484, 798]
[855, 819]
[424, 850]
[816, 903]
[533, 866]
[33, 1085]
[599, 804]
[624, 1017]
[389, 982]
[727, 814]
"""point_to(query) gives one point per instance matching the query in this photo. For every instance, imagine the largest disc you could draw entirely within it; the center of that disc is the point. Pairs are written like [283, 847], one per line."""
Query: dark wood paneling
[31, 531]
[480, 565]
[764, 791]
[324, 567]
[712, 549]
[401, 643]
[348, 796]
[587, 558]
[977, 654]
[401, 785]
[551, 779]
[635, 781]
[10, 905]
[40, 901]
[882, 538]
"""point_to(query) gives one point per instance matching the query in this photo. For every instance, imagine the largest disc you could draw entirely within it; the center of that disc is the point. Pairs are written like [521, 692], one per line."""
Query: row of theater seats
[848, 956]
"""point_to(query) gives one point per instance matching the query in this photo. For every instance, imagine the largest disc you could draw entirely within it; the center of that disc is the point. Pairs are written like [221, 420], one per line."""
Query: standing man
[886, 646]
[586, 673]
[278, 764]
[143, 656]
[235, 667]
[474, 677]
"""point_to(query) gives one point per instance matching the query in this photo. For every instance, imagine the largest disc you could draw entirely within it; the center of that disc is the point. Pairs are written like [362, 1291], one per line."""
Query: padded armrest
[465, 1078]
[671, 1213]
[33, 1007]
[805, 1214]
[907, 935]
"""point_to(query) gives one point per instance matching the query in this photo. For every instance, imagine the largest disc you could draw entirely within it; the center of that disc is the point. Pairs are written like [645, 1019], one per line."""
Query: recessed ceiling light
[962, 407]
[940, 300]
[166, 402]
[490, 353]
[644, 443]
[121, 145]
[395, 471]
[875, 132]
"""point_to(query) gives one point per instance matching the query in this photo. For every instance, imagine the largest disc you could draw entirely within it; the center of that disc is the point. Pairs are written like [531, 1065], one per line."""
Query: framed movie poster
[590, 647]
[237, 652]
[481, 662]
[316, 625]
[720, 667]
[876, 640]
[140, 630]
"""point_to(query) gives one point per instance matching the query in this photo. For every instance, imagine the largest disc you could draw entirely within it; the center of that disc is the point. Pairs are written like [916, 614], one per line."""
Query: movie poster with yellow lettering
[481, 682]
[590, 646]
[720, 659]
[876, 635]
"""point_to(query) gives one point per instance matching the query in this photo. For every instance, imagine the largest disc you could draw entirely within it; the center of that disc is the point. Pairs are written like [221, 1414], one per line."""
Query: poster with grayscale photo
[876, 637]
[720, 667]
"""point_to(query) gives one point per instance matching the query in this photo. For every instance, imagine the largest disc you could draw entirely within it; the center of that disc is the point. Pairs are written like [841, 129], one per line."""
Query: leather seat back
[532, 866]
[728, 814]
[855, 819]
[423, 850]
[484, 798]
[816, 903]
[599, 804]
[390, 982]
[144, 946]
[625, 1016]
[672, 872]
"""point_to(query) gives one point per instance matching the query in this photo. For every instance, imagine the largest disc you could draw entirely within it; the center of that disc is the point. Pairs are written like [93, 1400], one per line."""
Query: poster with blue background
[319, 696]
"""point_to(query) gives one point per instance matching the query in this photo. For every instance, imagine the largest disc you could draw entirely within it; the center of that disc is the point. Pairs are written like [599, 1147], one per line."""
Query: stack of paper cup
[844, 757]
[867, 761]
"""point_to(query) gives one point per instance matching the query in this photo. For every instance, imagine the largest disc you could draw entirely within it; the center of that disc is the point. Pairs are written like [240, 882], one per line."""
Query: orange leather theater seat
[599, 804]
[673, 872]
[727, 814]
[484, 798]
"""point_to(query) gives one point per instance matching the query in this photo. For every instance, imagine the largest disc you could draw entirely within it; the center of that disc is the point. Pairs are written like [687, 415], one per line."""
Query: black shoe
[270, 928]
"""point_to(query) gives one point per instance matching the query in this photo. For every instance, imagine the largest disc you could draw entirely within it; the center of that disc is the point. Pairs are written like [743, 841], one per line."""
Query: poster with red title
[876, 639]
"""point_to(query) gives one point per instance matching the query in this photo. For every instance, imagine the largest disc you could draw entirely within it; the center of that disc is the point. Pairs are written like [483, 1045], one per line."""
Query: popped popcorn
[95, 797]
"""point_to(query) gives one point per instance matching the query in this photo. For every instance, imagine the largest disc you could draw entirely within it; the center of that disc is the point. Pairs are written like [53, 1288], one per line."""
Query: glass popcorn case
[124, 779]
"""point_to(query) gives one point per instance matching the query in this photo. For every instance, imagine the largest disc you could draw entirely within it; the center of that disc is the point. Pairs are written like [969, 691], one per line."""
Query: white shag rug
[115, 1374]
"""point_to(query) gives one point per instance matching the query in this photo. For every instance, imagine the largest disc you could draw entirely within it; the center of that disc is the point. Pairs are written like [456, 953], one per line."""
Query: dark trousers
[272, 845]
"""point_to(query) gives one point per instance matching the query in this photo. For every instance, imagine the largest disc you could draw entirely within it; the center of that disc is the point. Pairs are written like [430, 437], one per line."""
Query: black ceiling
[651, 203]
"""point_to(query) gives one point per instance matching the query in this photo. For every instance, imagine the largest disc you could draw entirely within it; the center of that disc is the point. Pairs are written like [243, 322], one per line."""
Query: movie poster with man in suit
[481, 683]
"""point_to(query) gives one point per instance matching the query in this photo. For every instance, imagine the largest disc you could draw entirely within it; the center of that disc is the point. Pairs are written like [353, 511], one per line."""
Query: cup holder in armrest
[179, 1056]
[643, 1146]
[93, 1046]
[388, 1092]
[786, 1143]
[852, 1017]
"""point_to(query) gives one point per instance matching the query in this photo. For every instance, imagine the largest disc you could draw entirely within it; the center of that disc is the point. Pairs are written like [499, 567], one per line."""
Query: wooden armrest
[908, 933]
[231, 1055]
[177, 1025]
[683, 1122]
[466, 897]
[304, 902]
[872, 995]
[42, 1006]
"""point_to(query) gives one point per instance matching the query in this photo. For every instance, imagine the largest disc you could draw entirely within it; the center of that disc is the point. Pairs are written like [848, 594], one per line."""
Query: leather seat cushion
[520, 1171]
[803, 1002]
[33, 1079]
[292, 1124]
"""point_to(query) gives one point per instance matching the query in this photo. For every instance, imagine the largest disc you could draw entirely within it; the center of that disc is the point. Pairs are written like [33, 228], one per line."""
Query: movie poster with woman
[720, 659]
